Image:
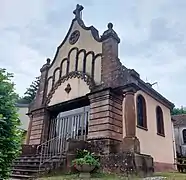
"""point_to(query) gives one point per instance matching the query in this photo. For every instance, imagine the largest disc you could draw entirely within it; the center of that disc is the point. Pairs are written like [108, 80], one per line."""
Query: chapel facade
[86, 94]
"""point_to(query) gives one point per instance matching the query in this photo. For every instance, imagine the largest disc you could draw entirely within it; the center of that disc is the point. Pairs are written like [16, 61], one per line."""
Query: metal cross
[78, 10]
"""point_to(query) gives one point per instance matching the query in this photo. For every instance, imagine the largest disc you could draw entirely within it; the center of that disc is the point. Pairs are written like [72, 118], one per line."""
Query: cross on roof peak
[78, 10]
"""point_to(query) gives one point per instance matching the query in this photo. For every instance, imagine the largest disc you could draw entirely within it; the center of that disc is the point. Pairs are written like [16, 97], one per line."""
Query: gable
[79, 51]
[94, 59]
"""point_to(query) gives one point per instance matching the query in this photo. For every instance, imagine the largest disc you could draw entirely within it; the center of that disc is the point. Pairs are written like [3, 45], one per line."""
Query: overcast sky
[152, 32]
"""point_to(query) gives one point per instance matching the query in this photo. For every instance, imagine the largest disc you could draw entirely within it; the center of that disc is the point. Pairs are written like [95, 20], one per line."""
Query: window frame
[141, 116]
[184, 139]
[160, 121]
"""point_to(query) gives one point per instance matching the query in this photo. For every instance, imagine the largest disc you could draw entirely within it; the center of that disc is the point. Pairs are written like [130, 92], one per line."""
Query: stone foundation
[128, 163]
[104, 146]
[164, 167]
[111, 161]
[122, 163]
[130, 144]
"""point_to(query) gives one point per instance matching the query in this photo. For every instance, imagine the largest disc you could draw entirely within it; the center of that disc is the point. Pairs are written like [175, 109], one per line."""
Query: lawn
[75, 177]
[169, 176]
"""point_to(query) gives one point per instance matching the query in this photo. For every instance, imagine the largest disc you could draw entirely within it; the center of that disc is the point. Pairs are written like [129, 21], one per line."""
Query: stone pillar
[37, 112]
[39, 126]
[130, 142]
[42, 90]
[111, 74]
[105, 124]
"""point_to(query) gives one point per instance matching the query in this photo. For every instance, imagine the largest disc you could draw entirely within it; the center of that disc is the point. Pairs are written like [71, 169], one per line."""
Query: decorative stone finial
[78, 10]
[110, 25]
[110, 33]
[46, 65]
[48, 60]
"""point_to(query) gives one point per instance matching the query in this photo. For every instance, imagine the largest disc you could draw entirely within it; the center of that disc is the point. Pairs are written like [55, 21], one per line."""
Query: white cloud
[152, 37]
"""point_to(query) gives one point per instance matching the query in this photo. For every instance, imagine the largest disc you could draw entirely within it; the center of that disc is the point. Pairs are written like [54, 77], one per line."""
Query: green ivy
[10, 135]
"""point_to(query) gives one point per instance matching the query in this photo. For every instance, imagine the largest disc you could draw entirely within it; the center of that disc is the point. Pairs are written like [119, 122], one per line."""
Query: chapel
[87, 95]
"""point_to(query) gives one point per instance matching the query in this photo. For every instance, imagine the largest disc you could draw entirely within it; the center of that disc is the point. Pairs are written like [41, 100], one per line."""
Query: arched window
[141, 112]
[159, 121]
[184, 136]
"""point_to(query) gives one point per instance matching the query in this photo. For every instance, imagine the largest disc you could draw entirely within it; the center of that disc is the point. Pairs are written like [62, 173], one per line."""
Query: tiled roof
[179, 120]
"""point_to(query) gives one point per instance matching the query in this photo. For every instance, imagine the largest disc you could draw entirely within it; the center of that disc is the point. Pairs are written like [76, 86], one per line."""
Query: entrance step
[21, 176]
[29, 167]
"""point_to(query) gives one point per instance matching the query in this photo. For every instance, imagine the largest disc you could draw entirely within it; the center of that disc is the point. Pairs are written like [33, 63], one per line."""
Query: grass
[96, 176]
[170, 176]
[173, 175]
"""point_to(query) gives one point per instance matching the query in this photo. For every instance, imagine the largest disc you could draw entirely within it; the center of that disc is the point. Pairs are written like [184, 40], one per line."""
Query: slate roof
[179, 120]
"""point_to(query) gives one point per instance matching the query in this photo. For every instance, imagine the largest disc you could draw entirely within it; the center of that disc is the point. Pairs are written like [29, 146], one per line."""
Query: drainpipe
[179, 141]
[174, 144]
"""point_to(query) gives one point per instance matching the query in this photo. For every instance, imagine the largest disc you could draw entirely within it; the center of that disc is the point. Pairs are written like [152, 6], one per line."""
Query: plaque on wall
[74, 37]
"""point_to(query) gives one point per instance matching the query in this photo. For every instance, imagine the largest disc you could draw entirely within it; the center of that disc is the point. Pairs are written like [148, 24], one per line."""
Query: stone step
[37, 159]
[20, 176]
[26, 162]
[22, 171]
[26, 166]
[36, 163]
[25, 157]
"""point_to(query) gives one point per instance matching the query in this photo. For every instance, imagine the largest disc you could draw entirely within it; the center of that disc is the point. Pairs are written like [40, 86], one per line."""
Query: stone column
[111, 74]
[130, 142]
[37, 111]
[39, 126]
[105, 125]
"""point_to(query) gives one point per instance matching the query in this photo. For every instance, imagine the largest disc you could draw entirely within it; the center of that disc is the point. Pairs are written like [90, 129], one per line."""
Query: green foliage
[85, 157]
[23, 100]
[81, 153]
[24, 133]
[177, 111]
[10, 135]
[30, 92]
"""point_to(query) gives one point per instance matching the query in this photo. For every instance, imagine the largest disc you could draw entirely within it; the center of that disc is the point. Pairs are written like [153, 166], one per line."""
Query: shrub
[85, 157]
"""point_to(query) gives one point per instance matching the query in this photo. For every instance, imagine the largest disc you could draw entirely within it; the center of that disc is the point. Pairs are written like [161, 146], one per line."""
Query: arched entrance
[68, 121]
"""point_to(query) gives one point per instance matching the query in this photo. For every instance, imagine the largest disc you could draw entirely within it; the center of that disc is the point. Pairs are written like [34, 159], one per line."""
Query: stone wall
[105, 116]
[38, 127]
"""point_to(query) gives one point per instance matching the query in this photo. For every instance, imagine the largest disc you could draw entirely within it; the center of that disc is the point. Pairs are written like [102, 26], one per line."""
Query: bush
[85, 157]
[10, 135]
[81, 153]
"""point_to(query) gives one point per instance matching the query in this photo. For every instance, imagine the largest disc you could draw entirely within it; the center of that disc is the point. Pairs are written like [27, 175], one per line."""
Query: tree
[10, 135]
[30, 92]
[177, 111]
